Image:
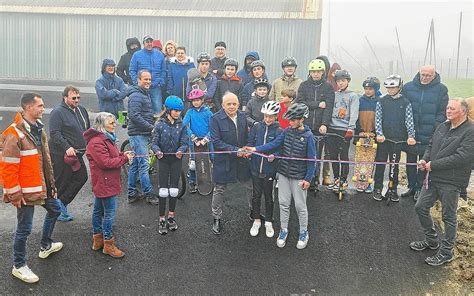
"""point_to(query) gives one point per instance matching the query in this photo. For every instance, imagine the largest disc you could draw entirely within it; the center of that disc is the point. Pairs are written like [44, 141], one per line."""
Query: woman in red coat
[105, 161]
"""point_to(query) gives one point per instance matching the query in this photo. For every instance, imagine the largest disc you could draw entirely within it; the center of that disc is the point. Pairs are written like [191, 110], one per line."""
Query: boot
[97, 241]
[216, 226]
[111, 249]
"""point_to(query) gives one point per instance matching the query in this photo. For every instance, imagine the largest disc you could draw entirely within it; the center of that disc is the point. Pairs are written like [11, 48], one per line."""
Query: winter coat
[294, 143]
[244, 73]
[233, 84]
[151, 60]
[225, 136]
[345, 111]
[66, 127]
[253, 109]
[140, 113]
[261, 134]
[169, 137]
[111, 90]
[394, 118]
[209, 86]
[311, 93]
[105, 161]
[366, 120]
[177, 78]
[429, 108]
[218, 64]
[284, 82]
[451, 152]
[197, 121]
[25, 163]
[248, 91]
[124, 62]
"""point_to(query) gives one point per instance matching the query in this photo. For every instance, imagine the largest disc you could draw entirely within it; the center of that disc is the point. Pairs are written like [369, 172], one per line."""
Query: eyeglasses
[427, 75]
[76, 98]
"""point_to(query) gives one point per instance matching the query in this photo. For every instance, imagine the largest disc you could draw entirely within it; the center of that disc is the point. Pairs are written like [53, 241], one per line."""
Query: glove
[348, 136]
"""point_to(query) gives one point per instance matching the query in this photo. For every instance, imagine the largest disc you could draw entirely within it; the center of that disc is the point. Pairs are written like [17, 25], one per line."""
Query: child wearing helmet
[202, 78]
[169, 142]
[294, 175]
[343, 122]
[257, 72]
[288, 80]
[263, 169]
[255, 104]
[229, 82]
[197, 122]
[393, 121]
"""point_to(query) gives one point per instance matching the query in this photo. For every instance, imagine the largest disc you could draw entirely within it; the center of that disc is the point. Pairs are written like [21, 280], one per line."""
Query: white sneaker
[255, 228]
[269, 229]
[25, 274]
[302, 240]
[55, 247]
[281, 241]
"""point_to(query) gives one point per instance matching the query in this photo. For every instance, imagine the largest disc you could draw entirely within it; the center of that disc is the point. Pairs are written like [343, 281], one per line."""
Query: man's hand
[249, 149]
[322, 105]
[159, 155]
[179, 154]
[304, 184]
[428, 166]
[411, 141]
[204, 141]
[323, 129]
[271, 158]
[129, 155]
[380, 139]
[71, 151]
[18, 203]
[421, 165]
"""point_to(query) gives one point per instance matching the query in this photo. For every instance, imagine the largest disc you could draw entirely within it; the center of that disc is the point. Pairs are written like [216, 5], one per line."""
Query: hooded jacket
[152, 60]
[111, 90]
[124, 62]
[244, 73]
[197, 121]
[105, 161]
[177, 76]
[140, 113]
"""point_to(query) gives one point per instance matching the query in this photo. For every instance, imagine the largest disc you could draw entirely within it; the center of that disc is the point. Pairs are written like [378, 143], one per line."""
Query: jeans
[415, 177]
[449, 196]
[139, 167]
[156, 99]
[103, 216]
[23, 230]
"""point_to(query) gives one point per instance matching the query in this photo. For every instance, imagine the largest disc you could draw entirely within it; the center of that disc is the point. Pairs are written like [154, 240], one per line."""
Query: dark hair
[182, 48]
[140, 73]
[69, 88]
[289, 92]
[28, 98]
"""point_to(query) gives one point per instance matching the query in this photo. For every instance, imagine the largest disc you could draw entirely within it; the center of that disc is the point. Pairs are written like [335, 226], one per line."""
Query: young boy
[197, 121]
[365, 125]
[343, 123]
[393, 122]
[254, 105]
[263, 169]
[228, 82]
[287, 97]
[294, 176]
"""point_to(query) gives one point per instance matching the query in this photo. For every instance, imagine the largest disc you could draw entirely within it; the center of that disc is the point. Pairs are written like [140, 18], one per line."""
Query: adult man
[67, 123]
[217, 62]
[428, 98]
[139, 131]
[448, 159]
[228, 133]
[153, 61]
[203, 75]
[257, 71]
[27, 174]
[132, 45]
[287, 81]
[110, 89]
[245, 72]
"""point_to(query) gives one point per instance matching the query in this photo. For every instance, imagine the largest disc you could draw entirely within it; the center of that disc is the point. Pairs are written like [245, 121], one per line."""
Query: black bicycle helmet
[289, 61]
[231, 62]
[342, 74]
[203, 57]
[261, 82]
[296, 111]
[373, 82]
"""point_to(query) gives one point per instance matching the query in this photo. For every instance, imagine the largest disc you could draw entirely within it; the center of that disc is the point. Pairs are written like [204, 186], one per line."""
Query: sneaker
[193, 188]
[55, 247]
[269, 232]
[25, 274]
[360, 190]
[394, 196]
[152, 199]
[378, 194]
[331, 186]
[439, 259]
[64, 218]
[302, 240]
[369, 189]
[281, 241]
[255, 228]
[423, 245]
[172, 224]
[133, 198]
[162, 229]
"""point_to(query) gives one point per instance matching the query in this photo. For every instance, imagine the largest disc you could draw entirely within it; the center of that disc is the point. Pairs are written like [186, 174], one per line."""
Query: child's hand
[271, 158]
[323, 129]
[380, 139]
[159, 155]
[322, 105]
[179, 154]
[348, 135]
[411, 141]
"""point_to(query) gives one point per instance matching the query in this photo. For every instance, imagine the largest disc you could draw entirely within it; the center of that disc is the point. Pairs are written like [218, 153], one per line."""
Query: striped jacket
[25, 166]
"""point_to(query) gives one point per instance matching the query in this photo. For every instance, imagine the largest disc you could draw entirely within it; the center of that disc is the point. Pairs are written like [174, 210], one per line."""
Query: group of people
[261, 133]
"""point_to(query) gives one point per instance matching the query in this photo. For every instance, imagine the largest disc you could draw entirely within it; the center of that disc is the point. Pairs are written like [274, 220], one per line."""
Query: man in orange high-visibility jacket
[28, 180]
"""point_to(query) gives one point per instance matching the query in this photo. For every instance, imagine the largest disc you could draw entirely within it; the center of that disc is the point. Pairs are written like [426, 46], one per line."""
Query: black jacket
[140, 113]
[451, 152]
[124, 62]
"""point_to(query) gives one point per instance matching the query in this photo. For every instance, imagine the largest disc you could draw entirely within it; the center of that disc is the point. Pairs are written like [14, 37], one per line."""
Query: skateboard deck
[203, 170]
[365, 151]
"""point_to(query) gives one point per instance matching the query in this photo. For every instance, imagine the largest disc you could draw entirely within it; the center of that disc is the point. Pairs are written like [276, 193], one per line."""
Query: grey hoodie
[345, 111]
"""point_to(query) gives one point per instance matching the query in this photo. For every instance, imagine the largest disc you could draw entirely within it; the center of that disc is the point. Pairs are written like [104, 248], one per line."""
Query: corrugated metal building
[67, 39]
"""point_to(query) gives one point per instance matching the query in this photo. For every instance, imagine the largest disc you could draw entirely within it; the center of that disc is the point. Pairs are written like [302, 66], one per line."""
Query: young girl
[170, 141]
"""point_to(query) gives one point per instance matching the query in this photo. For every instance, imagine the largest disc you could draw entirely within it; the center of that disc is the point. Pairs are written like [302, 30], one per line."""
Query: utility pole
[467, 68]
[459, 43]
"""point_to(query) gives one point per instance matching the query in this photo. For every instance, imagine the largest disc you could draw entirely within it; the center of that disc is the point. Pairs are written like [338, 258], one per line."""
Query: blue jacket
[211, 85]
[244, 73]
[177, 77]
[366, 120]
[169, 138]
[261, 134]
[429, 108]
[151, 60]
[140, 113]
[197, 121]
[227, 167]
[111, 90]
[248, 90]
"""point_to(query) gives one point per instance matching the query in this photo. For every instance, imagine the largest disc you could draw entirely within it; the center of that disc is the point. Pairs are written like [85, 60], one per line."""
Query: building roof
[294, 9]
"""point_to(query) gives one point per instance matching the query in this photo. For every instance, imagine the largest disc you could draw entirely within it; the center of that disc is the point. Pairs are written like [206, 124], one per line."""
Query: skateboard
[365, 151]
[203, 170]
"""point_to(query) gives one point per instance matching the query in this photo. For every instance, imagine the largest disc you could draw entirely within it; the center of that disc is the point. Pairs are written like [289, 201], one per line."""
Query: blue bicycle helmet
[174, 103]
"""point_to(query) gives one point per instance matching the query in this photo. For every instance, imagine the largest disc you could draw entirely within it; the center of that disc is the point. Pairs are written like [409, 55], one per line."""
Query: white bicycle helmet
[270, 108]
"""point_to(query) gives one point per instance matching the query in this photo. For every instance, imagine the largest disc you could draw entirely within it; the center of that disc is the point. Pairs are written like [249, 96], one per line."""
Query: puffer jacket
[111, 90]
[169, 137]
[261, 134]
[140, 113]
[25, 164]
[284, 82]
[249, 89]
[253, 109]
[177, 77]
[244, 73]
[124, 62]
[151, 60]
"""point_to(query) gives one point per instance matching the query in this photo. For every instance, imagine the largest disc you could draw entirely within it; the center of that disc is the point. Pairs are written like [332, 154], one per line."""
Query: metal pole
[459, 43]
[433, 43]
[329, 29]
[400, 50]
[467, 68]
[427, 44]
[363, 69]
[376, 58]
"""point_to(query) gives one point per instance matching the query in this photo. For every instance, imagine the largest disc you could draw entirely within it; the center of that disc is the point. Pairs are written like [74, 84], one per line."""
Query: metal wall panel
[72, 47]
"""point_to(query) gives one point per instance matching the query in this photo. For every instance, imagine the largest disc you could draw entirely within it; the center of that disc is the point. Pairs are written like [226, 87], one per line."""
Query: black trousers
[391, 152]
[262, 185]
[338, 150]
[169, 171]
[68, 183]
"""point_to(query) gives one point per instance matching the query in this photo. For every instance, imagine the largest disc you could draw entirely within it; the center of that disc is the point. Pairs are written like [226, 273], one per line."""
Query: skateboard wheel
[340, 195]
[358, 144]
[354, 178]
[374, 146]
[371, 180]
